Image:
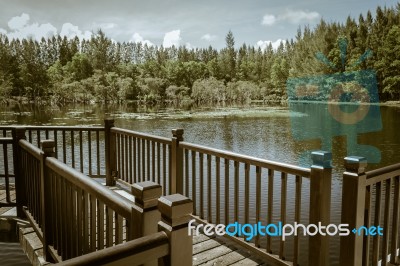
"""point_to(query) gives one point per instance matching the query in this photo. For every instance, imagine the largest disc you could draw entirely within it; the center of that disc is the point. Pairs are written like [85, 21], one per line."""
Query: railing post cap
[321, 158]
[355, 164]
[146, 193]
[48, 147]
[178, 133]
[20, 132]
[175, 209]
[109, 121]
[47, 143]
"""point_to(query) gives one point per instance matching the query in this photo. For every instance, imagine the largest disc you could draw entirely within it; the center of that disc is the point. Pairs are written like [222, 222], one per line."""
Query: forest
[58, 70]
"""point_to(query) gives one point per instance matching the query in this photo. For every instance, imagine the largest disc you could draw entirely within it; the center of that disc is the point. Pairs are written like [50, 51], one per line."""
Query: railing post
[48, 148]
[320, 205]
[175, 215]
[110, 152]
[18, 133]
[353, 207]
[176, 178]
[145, 215]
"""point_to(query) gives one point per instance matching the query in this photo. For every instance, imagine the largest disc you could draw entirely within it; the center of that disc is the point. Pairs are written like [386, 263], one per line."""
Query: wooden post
[48, 147]
[353, 205]
[18, 133]
[145, 215]
[175, 215]
[110, 152]
[176, 178]
[320, 205]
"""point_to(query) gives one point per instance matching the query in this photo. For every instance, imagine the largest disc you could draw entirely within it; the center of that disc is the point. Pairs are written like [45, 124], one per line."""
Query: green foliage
[62, 70]
[208, 90]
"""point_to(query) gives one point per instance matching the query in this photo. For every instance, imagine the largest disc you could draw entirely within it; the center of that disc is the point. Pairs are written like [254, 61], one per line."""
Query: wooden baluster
[209, 192]
[218, 188]
[283, 211]
[377, 219]
[18, 133]
[236, 187]
[194, 188]
[386, 221]
[258, 201]
[201, 176]
[226, 176]
[394, 244]
[270, 205]
[110, 151]
[297, 215]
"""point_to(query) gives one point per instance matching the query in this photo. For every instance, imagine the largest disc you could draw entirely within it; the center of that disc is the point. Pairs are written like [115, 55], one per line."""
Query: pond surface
[274, 133]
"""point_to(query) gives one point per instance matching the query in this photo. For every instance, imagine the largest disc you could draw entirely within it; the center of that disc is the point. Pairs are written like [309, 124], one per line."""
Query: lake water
[259, 131]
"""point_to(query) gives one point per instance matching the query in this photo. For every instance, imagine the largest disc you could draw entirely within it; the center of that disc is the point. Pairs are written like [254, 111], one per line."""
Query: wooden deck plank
[214, 255]
[206, 245]
[226, 259]
[246, 262]
[200, 238]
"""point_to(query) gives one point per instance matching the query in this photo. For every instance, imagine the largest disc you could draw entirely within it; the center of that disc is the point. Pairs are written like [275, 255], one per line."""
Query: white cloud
[265, 44]
[104, 26]
[296, 16]
[21, 28]
[268, 20]
[189, 46]
[70, 31]
[137, 38]
[172, 38]
[208, 37]
[34, 31]
[18, 22]
[291, 16]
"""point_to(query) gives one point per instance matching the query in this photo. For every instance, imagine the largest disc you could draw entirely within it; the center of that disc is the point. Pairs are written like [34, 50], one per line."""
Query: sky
[176, 22]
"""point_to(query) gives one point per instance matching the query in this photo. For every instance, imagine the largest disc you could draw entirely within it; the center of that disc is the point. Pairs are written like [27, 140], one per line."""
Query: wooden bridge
[155, 185]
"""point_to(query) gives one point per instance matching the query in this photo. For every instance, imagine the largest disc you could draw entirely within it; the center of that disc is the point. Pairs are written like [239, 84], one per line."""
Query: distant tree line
[61, 70]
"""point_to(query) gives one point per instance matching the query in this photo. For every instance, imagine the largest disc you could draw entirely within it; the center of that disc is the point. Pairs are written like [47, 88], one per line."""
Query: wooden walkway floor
[218, 251]
[210, 251]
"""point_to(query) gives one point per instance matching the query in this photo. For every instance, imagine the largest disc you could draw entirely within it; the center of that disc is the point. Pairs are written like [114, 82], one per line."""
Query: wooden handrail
[118, 203]
[141, 135]
[91, 128]
[281, 167]
[30, 148]
[6, 140]
[134, 252]
[381, 174]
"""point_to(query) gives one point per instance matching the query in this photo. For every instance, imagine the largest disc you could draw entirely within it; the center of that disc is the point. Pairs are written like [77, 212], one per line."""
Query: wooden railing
[141, 157]
[225, 187]
[79, 147]
[7, 176]
[363, 195]
[74, 215]
[134, 252]
[229, 187]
